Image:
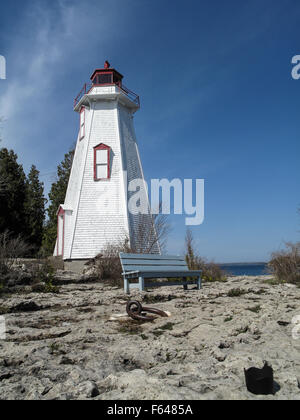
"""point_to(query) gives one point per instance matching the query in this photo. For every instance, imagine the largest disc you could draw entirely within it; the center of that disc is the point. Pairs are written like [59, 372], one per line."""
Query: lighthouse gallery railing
[87, 87]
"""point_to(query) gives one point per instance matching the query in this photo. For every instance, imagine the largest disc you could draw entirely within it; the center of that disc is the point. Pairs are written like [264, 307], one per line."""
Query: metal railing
[87, 87]
[80, 94]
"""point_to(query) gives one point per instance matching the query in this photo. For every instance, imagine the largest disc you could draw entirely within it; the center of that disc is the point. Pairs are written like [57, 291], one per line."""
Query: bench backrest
[152, 262]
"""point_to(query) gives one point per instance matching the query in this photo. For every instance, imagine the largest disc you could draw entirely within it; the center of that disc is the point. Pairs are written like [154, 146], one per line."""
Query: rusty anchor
[138, 312]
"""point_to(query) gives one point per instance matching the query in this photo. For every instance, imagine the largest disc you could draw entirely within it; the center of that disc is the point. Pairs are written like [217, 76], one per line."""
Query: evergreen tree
[56, 197]
[34, 208]
[13, 193]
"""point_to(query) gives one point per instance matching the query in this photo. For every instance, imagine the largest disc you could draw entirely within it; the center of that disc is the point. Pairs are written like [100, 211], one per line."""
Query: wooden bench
[153, 266]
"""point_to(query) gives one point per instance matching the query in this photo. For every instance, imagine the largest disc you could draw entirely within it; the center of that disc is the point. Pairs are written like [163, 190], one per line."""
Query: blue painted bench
[154, 266]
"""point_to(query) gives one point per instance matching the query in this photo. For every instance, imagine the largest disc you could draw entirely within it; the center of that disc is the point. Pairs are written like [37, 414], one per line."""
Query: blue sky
[218, 102]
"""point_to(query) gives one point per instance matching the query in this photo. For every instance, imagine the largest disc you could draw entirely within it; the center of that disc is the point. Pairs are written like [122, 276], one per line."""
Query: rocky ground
[64, 346]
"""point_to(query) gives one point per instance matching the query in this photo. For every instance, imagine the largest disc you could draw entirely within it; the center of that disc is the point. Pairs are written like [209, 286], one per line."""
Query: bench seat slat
[132, 261]
[162, 274]
[123, 256]
[155, 268]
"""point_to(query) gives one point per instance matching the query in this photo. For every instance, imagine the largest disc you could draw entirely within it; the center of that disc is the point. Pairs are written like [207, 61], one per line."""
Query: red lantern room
[106, 76]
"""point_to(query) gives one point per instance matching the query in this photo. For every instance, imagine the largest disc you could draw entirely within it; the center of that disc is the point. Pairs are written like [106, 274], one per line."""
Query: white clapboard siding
[97, 210]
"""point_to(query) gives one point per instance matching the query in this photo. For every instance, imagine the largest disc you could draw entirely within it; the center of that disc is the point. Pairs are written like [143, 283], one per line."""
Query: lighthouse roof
[107, 70]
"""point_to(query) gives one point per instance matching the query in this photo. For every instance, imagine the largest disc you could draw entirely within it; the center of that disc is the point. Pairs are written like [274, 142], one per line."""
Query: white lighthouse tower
[95, 212]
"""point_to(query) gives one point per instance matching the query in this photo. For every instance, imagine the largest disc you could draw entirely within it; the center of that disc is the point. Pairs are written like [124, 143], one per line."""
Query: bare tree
[162, 230]
[152, 233]
[11, 248]
[210, 271]
[193, 260]
[285, 264]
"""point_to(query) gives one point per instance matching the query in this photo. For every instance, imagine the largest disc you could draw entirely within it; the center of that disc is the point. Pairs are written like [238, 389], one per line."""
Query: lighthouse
[96, 213]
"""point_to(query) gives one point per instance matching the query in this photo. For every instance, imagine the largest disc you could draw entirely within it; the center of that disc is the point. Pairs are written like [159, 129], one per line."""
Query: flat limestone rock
[81, 344]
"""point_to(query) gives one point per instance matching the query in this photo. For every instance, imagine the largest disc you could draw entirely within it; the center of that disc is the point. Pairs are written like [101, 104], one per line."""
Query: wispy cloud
[33, 59]
[52, 39]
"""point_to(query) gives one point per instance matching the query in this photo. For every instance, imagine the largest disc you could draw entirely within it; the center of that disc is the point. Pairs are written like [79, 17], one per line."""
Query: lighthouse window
[104, 78]
[82, 123]
[101, 164]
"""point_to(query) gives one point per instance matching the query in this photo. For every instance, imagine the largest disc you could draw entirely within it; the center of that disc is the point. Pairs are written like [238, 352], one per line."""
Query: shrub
[211, 272]
[11, 248]
[45, 274]
[254, 309]
[228, 319]
[272, 281]
[107, 265]
[129, 327]
[285, 264]
[236, 292]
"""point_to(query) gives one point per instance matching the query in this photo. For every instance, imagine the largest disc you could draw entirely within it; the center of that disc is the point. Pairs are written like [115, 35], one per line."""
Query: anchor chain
[138, 312]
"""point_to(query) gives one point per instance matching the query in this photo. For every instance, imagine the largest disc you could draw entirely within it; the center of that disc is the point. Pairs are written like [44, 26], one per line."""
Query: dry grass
[107, 265]
[236, 292]
[130, 327]
[152, 233]
[11, 248]
[211, 272]
[16, 271]
[285, 264]
[255, 309]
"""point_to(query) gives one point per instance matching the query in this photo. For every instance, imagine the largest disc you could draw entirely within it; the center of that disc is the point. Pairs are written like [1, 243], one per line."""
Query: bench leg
[199, 285]
[126, 286]
[185, 286]
[141, 284]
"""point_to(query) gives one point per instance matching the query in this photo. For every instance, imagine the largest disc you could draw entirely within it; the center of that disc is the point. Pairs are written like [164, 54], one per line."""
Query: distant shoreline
[245, 269]
[244, 263]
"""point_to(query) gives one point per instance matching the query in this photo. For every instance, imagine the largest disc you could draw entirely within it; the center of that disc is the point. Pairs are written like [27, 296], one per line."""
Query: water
[245, 269]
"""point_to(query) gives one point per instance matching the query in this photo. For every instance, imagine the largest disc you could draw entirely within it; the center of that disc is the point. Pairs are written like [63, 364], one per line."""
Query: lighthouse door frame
[60, 232]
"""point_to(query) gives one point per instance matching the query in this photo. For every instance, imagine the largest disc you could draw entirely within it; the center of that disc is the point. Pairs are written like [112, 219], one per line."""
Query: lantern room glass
[103, 79]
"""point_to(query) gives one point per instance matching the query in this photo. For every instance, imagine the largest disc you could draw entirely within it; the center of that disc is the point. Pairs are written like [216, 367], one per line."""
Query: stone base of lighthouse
[76, 266]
